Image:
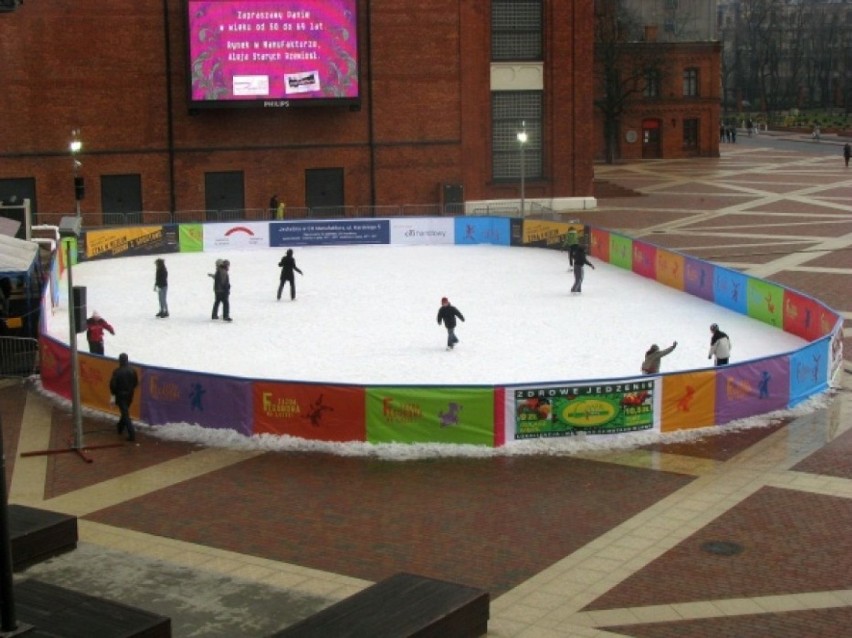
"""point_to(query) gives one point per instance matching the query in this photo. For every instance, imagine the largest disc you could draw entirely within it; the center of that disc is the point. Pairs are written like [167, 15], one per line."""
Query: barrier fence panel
[18, 357]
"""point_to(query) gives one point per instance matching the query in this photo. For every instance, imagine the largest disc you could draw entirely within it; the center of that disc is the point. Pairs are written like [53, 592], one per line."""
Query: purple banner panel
[698, 277]
[177, 396]
[753, 388]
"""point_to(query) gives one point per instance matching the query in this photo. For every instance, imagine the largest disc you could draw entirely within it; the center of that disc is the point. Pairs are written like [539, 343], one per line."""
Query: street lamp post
[522, 139]
[75, 147]
[69, 230]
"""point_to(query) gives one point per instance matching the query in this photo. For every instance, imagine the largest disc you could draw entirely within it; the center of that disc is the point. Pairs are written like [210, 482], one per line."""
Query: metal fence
[256, 214]
[18, 357]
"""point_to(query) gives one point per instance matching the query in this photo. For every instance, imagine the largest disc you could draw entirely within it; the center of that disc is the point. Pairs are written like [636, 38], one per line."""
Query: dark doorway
[324, 192]
[121, 199]
[224, 196]
[13, 192]
[651, 139]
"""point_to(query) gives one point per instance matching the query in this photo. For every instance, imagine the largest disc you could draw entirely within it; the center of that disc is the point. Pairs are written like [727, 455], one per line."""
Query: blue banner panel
[341, 232]
[809, 371]
[175, 396]
[731, 289]
[483, 230]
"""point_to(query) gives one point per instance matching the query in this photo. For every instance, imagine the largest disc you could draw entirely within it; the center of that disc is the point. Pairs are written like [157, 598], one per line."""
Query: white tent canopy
[16, 255]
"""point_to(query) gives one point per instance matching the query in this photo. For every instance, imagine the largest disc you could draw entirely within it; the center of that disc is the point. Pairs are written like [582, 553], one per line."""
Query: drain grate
[722, 548]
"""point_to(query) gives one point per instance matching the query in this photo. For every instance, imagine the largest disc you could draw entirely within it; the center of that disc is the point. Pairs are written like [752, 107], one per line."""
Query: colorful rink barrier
[484, 415]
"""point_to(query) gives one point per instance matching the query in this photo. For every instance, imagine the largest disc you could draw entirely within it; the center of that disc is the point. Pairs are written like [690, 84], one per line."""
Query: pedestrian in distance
[651, 364]
[720, 346]
[280, 212]
[161, 286]
[122, 385]
[580, 260]
[222, 290]
[847, 153]
[273, 205]
[288, 270]
[95, 328]
[447, 314]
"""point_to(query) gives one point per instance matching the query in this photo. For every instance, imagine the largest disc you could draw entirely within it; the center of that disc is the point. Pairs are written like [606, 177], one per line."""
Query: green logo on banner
[430, 415]
[191, 238]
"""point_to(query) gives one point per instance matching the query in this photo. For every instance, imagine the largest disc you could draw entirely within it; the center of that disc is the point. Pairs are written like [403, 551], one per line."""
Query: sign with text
[330, 233]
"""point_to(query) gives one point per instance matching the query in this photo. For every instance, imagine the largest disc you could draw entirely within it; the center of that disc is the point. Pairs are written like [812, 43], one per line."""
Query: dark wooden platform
[36, 535]
[402, 606]
[54, 612]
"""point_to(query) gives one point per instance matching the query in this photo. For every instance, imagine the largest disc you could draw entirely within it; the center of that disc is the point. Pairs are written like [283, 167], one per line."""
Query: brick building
[444, 86]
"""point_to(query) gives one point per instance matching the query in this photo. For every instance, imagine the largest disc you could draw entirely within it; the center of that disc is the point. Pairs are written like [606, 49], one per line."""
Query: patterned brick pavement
[567, 546]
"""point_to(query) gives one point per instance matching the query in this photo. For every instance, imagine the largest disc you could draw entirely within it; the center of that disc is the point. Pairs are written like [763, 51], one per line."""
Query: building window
[511, 112]
[690, 82]
[690, 134]
[652, 83]
[516, 30]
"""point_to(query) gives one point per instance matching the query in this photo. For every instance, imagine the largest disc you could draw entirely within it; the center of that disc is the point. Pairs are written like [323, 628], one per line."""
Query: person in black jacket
[161, 285]
[580, 260]
[122, 385]
[448, 313]
[222, 290]
[288, 267]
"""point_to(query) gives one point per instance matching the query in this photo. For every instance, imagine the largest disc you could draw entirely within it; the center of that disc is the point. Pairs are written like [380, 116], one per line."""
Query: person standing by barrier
[580, 260]
[161, 285]
[288, 270]
[847, 153]
[122, 385]
[95, 327]
[720, 346]
[651, 364]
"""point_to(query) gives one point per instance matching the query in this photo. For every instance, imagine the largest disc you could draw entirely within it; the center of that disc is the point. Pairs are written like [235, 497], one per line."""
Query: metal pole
[72, 342]
[7, 595]
[522, 180]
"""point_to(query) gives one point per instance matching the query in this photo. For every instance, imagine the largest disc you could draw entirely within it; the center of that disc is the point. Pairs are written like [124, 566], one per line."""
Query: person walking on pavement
[720, 346]
[288, 270]
[447, 314]
[847, 153]
[122, 385]
[580, 260]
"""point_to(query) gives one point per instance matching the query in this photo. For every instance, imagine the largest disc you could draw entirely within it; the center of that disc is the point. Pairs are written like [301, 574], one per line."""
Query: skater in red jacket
[95, 326]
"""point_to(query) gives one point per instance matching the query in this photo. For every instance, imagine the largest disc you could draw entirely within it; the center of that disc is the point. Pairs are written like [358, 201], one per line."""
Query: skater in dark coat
[122, 385]
[288, 268]
[222, 290]
[161, 285]
[651, 364]
[95, 327]
[447, 314]
[580, 260]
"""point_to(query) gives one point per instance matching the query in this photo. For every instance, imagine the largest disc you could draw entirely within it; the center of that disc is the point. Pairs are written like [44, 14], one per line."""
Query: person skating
[651, 364]
[580, 260]
[95, 328]
[222, 290]
[447, 314]
[122, 385]
[161, 285]
[288, 268]
[720, 346]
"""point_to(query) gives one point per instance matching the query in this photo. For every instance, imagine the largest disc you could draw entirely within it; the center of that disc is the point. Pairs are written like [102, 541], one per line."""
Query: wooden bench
[402, 606]
[36, 535]
[50, 611]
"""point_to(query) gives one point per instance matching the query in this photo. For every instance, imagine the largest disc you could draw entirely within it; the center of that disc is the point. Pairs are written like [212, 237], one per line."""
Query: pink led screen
[272, 53]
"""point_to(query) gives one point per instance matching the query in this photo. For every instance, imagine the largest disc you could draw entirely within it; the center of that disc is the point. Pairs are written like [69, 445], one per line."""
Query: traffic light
[79, 188]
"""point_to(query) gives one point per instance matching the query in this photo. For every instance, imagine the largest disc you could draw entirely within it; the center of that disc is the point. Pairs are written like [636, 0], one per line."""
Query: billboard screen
[272, 53]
